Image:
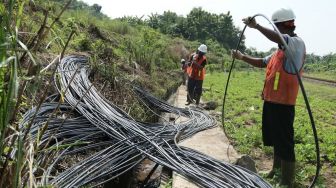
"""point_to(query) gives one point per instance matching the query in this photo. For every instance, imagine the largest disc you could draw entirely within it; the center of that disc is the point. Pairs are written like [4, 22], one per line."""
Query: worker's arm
[204, 63]
[201, 66]
[254, 61]
[270, 34]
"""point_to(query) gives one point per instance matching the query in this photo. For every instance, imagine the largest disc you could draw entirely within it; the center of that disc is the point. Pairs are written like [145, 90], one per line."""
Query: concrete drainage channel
[212, 142]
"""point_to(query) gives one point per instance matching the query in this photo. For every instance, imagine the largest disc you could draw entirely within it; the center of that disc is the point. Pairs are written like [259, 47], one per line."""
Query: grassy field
[243, 121]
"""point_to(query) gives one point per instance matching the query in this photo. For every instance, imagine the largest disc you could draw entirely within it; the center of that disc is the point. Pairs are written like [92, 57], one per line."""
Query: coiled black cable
[318, 162]
[87, 120]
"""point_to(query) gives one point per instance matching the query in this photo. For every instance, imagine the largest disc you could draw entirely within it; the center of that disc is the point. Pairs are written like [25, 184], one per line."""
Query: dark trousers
[278, 130]
[194, 90]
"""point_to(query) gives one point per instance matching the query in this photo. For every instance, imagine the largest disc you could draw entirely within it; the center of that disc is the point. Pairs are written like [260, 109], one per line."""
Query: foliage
[95, 9]
[318, 65]
[19, 67]
[198, 25]
[33, 31]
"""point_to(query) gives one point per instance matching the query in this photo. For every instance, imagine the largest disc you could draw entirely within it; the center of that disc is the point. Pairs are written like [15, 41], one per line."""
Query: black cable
[118, 141]
[318, 162]
[228, 79]
[118, 125]
[149, 176]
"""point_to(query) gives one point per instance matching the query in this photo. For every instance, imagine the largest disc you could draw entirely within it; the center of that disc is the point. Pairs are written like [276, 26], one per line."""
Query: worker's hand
[236, 54]
[197, 65]
[250, 22]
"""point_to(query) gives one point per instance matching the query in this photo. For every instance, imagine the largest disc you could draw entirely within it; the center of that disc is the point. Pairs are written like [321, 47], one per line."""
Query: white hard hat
[182, 60]
[203, 48]
[283, 15]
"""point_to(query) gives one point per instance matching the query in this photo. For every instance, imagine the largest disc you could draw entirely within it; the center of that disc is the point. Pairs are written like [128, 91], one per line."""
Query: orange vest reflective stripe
[280, 86]
[194, 71]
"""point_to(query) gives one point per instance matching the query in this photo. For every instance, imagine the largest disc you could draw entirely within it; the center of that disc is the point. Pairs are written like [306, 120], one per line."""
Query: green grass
[243, 119]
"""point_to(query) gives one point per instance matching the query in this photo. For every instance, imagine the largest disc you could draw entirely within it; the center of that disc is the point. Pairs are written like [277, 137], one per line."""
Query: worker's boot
[276, 166]
[287, 173]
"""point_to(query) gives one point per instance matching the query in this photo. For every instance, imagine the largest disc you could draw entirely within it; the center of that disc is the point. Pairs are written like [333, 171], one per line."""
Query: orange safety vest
[194, 71]
[189, 70]
[280, 87]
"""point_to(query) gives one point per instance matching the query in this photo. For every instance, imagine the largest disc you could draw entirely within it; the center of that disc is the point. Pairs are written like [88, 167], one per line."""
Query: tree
[198, 25]
[97, 8]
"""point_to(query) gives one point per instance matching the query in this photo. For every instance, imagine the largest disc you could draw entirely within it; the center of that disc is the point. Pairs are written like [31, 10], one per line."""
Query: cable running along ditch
[119, 142]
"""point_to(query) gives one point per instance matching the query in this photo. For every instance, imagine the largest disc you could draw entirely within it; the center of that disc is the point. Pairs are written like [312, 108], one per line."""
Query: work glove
[250, 22]
[236, 54]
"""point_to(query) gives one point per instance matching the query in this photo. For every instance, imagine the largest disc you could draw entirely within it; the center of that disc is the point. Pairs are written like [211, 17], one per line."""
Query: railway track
[320, 80]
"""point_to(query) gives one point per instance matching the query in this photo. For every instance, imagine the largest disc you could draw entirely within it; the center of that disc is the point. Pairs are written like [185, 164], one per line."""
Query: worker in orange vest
[280, 90]
[196, 74]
